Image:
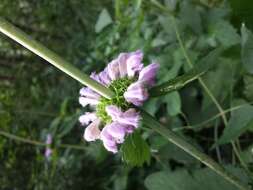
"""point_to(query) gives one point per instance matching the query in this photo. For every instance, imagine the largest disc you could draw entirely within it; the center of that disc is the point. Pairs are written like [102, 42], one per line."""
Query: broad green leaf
[240, 121]
[179, 82]
[247, 155]
[187, 13]
[104, 19]
[225, 33]
[248, 90]
[196, 180]
[247, 48]
[135, 150]
[173, 103]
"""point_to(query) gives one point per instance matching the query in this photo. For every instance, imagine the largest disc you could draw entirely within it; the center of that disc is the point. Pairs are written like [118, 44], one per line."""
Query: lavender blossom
[88, 96]
[148, 73]
[134, 64]
[86, 118]
[128, 72]
[92, 132]
[129, 117]
[136, 93]
[48, 150]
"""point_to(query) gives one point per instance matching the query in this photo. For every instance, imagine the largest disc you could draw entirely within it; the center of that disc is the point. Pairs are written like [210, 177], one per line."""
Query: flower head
[114, 119]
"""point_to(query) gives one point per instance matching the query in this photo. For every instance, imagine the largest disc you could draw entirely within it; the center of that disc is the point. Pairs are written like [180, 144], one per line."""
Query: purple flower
[113, 70]
[88, 96]
[117, 131]
[104, 77]
[48, 142]
[122, 64]
[134, 64]
[48, 152]
[136, 93]
[129, 117]
[128, 66]
[49, 139]
[148, 73]
[92, 132]
[86, 118]
[108, 140]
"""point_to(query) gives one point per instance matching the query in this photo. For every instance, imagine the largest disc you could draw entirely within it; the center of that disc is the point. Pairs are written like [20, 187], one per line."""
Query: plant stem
[37, 143]
[187, 147]
[14, 33]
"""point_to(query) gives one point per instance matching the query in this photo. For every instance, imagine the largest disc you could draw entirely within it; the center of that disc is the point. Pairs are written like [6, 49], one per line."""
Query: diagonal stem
[19, 36]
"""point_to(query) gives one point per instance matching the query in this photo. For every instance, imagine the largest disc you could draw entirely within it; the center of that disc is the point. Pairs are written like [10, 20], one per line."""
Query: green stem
[14, 33]
[37, 143]
[187, 147]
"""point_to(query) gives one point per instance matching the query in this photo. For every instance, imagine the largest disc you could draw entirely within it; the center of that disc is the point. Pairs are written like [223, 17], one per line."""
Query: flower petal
[148, 73]
[87, 92]
[134, 64]
[113, 70]
[92, 132]
[86, 118]
[117, 131]
[85, 101]
[114, 112]
[104, 77]
[136, 93]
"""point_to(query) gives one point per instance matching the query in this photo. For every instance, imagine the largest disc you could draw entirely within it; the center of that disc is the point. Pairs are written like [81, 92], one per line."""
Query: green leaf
[198, 180]
[135, 151]
[247, 48]
[173, 102]
[241, 120]
[179, 82]
[248, 90]
[104, 19]
[225, 33]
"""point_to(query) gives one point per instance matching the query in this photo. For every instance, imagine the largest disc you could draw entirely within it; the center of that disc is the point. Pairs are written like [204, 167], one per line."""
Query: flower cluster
[113, 119]
[48, 142]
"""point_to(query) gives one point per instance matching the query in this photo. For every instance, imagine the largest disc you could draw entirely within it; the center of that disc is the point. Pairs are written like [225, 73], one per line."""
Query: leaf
[248, 90]
[173, 102]
[179, 82]
[135, 151]
[240, 121]
[247, 49]
[187, 13]
[104, 19]
[198, 180]
[225, 33]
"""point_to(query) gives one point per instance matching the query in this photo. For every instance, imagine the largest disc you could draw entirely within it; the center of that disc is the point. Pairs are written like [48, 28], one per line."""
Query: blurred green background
[36, 99]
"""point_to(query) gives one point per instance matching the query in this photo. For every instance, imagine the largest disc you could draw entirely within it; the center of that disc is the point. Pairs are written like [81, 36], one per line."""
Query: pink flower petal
[92, 132]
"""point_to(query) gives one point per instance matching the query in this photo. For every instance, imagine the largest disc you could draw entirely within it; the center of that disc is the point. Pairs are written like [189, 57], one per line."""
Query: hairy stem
[14, 33]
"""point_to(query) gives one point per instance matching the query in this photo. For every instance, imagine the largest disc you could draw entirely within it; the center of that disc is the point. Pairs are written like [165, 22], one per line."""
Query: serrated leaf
[247, 48]
[135, 151]
[241, 120]
[179, 82]
[104, 19]
[198, 180]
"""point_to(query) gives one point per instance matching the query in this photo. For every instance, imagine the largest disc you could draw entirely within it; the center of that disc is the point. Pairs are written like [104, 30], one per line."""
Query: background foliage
[36, 99]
